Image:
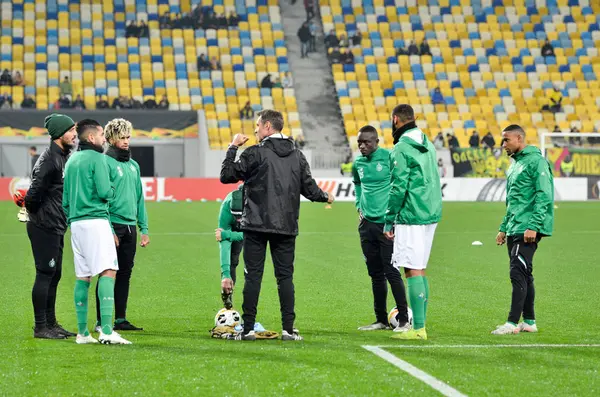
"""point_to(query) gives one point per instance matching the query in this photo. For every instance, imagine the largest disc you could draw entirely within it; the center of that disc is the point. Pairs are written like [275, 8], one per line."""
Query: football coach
[275, 174]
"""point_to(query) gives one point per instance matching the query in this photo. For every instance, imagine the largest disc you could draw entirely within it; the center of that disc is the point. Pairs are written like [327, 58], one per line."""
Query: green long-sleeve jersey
[87, 188]
[128, 206]
[227, 222]
[371, 176]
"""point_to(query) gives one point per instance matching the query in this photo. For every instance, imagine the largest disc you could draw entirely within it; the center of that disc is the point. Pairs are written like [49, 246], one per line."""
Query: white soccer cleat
[403, 327]
[374, 327]
[524, 327]
[506, 329]
[113, 339]
[84, 340]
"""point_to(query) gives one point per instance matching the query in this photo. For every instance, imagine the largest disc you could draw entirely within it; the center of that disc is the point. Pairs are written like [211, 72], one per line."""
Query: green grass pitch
[175, 295]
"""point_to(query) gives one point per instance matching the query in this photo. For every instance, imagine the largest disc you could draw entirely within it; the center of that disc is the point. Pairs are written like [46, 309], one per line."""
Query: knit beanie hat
[58, 124]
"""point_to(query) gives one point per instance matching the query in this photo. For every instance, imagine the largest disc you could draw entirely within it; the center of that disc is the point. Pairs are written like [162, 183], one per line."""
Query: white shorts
[94, 248]
[412, 245]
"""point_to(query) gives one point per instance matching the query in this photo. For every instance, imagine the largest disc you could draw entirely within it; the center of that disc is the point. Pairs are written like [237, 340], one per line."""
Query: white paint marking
[415, 372]
[528, 346]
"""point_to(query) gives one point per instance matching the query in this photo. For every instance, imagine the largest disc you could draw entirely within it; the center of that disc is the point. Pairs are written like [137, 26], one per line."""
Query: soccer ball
[392, 317]
[227, 318]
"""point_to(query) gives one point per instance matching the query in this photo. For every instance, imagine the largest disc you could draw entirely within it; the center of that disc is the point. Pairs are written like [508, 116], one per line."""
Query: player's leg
[126, 257]
[82, 283]
[255, 248]
[45, 267]
[283, 249]
[528, 324]
[369, 242]
[236, 250]
[51, 303]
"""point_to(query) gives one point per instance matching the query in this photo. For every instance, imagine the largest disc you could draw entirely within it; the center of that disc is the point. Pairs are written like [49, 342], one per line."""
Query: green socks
[417, 294]
[106, 295]
[426, 284]
[81, 306]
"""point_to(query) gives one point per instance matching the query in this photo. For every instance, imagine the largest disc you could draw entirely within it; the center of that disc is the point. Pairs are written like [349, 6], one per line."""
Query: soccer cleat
[60, 330]
[376, 326]
[506, 329]
[524, 327]
[47, 333]
[250, 336]
[84, 340]
[126, 326]
[227, 300]
[403, 327]
[413, 334]
[293, 336]
[112, 339]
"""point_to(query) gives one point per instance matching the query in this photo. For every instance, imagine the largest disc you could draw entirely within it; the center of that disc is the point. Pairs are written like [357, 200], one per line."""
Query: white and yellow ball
[392, 317]
[227, 318]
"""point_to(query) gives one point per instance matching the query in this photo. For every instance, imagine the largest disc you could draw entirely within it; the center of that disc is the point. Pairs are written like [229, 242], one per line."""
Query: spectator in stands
[425, 50]
[356, 39]
[312, 45]
[452, 141]
[488, 141]
[78, 103]
[66, 88]
[558, 141]
[437, 98]
[575, 140]
[215, 64]
[266, 82]
[413, 49]
[28, 103]
[178, 22]
[288, 81]
[331, 40]
[300, 142]
[6, 78]
[438, 141]
[277, 83]
[555, 102]
[64, 102]
[144, 31]
[102, 103]
[304, 36]
[210, 21]
[335, 56]
[164, 21]
[6, 101]
[401, 51]
[344, 42]
[222, 21]
[247, 113]
[164, 103]
[136, 103]
[474, 140]
[116, 103]
[347, 56]
[132, 30]
[150, 103]
[126, 103]
[566, 166]
[234, 20]
[18, 79]
[547, 49]
[187, 21]
[309, 6]
[441, 167]
[34, 156]
[202, 63]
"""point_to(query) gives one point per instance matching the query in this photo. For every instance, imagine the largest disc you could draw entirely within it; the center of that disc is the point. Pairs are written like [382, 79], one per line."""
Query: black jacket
[44, 197]
[275, 175]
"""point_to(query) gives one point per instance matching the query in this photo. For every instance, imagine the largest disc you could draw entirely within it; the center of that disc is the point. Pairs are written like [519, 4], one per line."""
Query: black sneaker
[47, 333]
[227, 300]
[126, 326]
[60, 330]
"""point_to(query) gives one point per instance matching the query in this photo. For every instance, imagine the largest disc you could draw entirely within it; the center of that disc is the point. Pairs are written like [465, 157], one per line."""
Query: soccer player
[85, 201]
[127, 210]
[414, 210]
[371, 175]
[47, 224]
[230, 238]
[529, 217]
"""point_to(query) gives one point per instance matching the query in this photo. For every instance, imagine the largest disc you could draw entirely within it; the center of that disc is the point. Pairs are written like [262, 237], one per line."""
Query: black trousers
[236, 250]
[378, 251]
[521, 278]
[283, 249]
[127, 235]
[47, 251]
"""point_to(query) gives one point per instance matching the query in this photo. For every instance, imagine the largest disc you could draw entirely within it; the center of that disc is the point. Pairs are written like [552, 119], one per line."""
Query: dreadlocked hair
[117, 129]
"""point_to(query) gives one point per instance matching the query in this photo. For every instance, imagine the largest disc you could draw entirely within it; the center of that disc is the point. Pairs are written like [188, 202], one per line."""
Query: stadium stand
[86, 41]
[486, 57]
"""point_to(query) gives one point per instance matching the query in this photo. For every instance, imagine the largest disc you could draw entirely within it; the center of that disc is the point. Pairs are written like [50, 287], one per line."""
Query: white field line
[505, 346]
[415, 372]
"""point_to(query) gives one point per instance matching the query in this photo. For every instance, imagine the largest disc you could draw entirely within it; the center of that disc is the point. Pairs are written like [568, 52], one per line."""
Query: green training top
[128, 206]
[230, 212]
[87, 187]
[371, 175]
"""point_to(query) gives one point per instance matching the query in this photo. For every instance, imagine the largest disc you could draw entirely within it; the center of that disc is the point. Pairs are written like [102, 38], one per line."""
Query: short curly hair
[117, 129]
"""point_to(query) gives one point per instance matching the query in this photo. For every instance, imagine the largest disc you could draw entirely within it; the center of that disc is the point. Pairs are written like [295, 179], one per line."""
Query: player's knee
[109, 273]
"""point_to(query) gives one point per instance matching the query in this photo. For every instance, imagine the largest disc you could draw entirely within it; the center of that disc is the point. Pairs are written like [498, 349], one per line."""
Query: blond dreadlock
[117, 129]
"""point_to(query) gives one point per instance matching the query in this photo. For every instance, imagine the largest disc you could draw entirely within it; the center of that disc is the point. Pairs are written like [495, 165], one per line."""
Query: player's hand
[501, 238]
[19, 198]
[218, 234]
[227, 285]
[389, 235]
[330, 198]
[530, 236]
[239, 140]
[116, 240]
[145, 240]
[360, 216]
